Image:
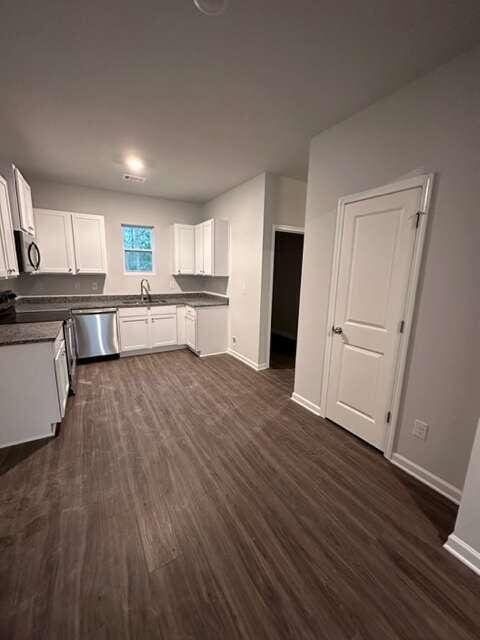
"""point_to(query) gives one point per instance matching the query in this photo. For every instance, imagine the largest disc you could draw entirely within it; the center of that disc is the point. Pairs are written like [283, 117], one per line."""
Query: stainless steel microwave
[28, 253]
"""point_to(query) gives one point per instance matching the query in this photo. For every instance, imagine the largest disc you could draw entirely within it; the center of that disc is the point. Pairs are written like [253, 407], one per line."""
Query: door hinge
[418, 214]
[402, 326]
[389, 417]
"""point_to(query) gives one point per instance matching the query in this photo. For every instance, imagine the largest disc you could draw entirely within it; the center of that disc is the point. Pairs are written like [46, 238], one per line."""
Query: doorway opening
[287, 273]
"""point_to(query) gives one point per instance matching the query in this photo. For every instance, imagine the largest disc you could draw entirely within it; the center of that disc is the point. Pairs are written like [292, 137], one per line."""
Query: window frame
[152, 250]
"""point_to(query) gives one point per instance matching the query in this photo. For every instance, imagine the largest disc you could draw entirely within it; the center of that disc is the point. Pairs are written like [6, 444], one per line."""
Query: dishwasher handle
[83, 312]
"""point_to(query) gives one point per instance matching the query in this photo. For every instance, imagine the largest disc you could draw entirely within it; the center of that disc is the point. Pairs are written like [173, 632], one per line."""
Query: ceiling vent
[129, 178]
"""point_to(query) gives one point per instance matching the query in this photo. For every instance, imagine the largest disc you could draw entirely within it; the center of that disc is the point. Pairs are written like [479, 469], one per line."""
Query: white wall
[244, 208]
[118, 208]
[467, 527]
[432, 125]
[288, 201]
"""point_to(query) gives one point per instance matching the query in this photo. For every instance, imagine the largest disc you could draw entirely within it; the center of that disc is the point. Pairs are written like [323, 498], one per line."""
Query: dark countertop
[66, 303]
[30, 332]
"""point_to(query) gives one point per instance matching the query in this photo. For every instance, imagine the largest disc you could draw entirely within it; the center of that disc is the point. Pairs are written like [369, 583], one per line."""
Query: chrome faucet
[145, 290]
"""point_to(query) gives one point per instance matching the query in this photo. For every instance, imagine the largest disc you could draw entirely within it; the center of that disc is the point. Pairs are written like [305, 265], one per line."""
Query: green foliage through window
[138, 248]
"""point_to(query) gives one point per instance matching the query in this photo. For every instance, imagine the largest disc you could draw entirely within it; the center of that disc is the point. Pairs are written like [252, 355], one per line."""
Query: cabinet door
[184, 250]
[61, 374]
[208, 248]
[55, 238]
[25, 206]
[89, 243]
[134, 334]
[163, 330]
[181, 326]
[8, 256]
[191, 332]
[199, 267]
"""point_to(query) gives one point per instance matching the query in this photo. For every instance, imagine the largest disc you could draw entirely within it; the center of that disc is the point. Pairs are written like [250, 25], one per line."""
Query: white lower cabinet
[203, 329]
[206, 329]
[34, 390]
[134, 333]
[191, 330]
[61, 375]
[163, 330]
[146, 328]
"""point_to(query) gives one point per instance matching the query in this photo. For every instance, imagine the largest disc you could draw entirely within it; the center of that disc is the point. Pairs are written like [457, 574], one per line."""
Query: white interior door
[376, 251]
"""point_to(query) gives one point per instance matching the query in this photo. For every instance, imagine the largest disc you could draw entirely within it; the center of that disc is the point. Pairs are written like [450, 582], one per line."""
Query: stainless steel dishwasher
[96, 332]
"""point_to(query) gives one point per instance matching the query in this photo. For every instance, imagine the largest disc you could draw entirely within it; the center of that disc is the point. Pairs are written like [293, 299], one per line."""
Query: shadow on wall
[58, 285]
[215, 285]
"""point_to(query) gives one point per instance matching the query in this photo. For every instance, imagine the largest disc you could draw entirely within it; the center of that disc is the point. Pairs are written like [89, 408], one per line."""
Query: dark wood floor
[189, 498]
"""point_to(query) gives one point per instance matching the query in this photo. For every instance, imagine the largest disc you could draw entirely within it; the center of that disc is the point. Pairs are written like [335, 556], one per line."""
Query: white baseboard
[306, 404]
[434, 482]
[144, 352]
[254, 365]
[463, 552]
[207, 355]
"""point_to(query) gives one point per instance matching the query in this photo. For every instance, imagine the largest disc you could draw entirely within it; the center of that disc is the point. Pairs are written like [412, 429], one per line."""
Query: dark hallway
[287, 273]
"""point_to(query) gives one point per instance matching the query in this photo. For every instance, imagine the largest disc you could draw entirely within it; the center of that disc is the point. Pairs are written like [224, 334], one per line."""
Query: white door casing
[377, 255]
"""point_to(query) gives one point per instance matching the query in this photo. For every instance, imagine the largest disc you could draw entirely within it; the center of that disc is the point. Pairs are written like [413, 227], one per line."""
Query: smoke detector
[128, 177]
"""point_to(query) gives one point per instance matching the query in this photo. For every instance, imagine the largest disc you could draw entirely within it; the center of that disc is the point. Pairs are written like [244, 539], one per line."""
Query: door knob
[337, 330]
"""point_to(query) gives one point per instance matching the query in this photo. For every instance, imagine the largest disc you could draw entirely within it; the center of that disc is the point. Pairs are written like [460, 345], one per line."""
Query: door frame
[285, 229]
[425, 182]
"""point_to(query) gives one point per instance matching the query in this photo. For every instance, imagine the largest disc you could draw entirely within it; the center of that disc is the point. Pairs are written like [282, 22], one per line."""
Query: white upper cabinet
[183, 249]
[199, 257]
[8, 256]
[25, 206]
[54, 235]
[211, 248]
[89, 242]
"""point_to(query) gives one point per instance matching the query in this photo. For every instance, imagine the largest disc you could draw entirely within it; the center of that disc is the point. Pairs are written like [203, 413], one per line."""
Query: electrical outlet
[77, 285]
[420, 429]
[94, 286]
[172, 283]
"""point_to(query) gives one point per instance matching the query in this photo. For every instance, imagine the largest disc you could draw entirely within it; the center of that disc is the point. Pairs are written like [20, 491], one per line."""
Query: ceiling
[207, 102]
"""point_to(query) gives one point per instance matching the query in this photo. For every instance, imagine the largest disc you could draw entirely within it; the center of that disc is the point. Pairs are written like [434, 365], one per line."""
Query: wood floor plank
[189, 498]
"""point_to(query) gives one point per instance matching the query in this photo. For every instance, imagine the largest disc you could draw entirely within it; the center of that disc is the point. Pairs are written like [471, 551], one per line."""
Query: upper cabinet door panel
[55, 238]
[208, 248]
[199, 252]
[89, 243]
[184, 249]
[25, 206]
[8, 255]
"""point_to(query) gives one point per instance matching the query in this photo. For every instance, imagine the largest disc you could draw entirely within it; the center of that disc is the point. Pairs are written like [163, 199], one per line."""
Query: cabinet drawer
[163, 311]
[126, 312]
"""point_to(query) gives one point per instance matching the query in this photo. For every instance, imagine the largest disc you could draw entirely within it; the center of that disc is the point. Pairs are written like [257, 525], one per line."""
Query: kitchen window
[138, 249]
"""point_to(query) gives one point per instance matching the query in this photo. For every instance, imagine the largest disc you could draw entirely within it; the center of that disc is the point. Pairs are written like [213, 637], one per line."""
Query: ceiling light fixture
[211, 7]
[134, 164]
